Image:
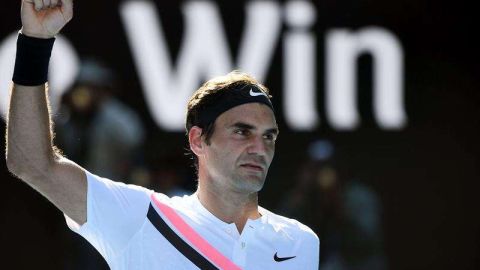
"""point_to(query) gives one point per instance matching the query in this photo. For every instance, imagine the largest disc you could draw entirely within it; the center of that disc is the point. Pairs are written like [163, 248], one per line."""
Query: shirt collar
[255, 223]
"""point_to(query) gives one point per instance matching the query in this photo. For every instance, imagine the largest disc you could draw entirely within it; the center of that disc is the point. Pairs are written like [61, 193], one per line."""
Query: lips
[252, 166]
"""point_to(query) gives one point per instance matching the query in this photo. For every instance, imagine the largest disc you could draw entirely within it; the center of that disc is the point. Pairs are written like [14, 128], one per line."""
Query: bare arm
[30, 152]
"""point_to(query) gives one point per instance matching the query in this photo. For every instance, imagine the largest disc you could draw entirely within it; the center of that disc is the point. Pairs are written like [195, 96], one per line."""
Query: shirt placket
[241, 246]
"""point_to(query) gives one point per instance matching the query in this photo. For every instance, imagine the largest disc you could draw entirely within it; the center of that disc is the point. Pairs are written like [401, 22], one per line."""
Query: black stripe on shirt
[177, 242]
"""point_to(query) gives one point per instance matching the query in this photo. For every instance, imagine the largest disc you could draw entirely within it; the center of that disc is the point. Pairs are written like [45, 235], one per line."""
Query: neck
[227, 205]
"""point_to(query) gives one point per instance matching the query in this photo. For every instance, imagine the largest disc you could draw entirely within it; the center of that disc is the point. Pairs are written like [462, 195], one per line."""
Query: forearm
[29, 139]
[30, 150]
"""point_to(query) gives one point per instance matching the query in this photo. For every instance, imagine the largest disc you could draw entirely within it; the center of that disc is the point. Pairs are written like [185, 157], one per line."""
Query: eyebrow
[250, 127]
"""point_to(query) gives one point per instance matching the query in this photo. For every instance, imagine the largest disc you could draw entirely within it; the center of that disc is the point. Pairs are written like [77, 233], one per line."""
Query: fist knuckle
[45, 22]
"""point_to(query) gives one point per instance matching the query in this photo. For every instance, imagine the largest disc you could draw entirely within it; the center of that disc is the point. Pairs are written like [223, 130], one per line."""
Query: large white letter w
[204, 52]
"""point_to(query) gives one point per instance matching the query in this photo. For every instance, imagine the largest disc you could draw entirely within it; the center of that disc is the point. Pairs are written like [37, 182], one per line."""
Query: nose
[258, 146]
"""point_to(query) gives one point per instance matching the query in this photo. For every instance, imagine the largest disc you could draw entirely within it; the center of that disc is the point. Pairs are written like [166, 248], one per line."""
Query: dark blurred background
[379, 198]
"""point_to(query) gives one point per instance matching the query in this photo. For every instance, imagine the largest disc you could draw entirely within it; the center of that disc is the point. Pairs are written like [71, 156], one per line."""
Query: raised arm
[30, 152]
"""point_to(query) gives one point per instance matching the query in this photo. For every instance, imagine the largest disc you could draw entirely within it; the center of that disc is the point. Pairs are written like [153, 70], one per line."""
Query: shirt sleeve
[115, 212]
[310, 249]
[313, 249]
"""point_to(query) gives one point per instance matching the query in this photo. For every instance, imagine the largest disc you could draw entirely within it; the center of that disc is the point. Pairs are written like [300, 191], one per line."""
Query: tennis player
[231, 130]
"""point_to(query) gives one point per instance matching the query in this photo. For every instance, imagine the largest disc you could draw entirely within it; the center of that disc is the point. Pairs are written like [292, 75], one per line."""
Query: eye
[240, 131]
[270, 137]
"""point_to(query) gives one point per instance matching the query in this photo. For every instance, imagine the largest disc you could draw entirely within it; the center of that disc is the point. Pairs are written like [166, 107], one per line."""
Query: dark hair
[209, 94]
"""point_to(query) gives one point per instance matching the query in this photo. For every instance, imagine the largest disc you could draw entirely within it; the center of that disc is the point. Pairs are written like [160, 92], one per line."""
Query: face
[241, 148]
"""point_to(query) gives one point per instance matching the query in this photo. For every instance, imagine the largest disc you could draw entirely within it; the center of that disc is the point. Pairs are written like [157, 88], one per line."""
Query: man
[231, 131]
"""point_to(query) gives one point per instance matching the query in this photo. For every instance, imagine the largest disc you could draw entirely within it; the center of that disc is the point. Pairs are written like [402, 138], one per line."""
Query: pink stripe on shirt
[194, 238]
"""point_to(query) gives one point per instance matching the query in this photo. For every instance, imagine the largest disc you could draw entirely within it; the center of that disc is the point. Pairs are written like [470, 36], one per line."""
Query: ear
[195, 140]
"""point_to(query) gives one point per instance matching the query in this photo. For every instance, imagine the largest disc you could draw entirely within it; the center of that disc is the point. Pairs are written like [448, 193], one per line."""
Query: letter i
[299, 54]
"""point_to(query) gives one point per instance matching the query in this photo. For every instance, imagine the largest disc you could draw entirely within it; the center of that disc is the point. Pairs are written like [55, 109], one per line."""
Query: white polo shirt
[136, 228]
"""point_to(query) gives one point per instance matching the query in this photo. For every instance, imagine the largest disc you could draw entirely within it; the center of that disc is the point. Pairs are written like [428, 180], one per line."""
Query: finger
[29, 2]
[46, 4]
[38, 4]
[53, 3]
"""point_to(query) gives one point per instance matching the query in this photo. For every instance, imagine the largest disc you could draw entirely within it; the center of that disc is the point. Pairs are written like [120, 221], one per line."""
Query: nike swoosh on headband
[254, 94]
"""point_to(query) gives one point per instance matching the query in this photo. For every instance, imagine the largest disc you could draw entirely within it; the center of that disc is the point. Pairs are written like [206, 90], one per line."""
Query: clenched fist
[45, 18]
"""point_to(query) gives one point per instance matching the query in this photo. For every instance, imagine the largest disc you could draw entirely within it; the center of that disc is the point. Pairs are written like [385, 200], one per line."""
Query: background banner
[377, 103]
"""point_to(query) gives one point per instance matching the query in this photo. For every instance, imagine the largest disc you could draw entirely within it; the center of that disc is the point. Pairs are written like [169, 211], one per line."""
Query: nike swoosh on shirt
[254, 94]
[281, 259]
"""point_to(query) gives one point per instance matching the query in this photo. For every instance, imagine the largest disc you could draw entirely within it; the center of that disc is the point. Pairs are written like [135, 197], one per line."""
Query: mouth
[253, 167]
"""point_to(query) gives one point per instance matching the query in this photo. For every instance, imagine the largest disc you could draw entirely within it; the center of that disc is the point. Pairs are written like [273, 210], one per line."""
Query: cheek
[271, 153]
[232, 153]
[222, 153]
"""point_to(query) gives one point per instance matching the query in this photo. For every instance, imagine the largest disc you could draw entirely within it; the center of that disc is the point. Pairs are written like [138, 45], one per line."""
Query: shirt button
[243, 245]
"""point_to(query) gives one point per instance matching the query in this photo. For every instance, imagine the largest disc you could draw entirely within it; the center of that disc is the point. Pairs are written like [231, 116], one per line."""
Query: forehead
[256, 114]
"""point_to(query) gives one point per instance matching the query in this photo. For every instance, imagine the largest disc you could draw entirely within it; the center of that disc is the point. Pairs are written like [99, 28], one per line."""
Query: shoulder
[105, 195]
[181, 204]
[292, 228]
[105, 184]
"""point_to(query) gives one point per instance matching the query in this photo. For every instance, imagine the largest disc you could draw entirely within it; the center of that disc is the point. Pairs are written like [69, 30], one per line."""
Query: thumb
[67, 9]
[28, 7]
